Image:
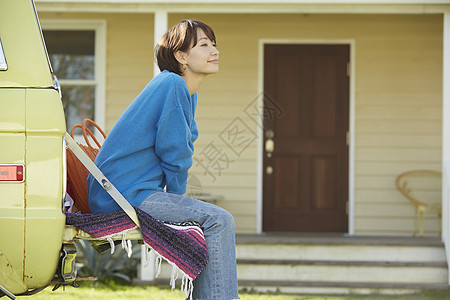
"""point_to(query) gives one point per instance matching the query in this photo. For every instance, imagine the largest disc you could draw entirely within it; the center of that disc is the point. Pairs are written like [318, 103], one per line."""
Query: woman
[150, 149]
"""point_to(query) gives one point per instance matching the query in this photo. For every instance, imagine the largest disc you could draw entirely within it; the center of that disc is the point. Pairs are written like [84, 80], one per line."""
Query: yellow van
[32, 155]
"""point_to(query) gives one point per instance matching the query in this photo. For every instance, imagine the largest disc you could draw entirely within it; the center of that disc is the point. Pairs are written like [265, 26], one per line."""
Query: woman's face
[203, 58]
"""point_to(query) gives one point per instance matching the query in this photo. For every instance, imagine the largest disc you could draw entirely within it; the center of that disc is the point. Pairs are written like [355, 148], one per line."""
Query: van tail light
[11, 173]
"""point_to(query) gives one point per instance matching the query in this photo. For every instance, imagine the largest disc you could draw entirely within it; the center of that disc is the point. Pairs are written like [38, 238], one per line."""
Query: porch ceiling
[247, 6]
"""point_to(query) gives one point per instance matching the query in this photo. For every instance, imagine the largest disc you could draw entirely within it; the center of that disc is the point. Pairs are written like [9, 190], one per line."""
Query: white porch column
[446, 137]
[160, 27]
[161, 24]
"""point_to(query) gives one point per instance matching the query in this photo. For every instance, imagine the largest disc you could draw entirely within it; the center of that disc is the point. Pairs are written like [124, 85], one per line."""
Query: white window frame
[99, 26]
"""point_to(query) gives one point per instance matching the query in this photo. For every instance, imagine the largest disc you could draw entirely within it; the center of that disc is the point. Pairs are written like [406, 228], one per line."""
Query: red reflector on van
[11, 173]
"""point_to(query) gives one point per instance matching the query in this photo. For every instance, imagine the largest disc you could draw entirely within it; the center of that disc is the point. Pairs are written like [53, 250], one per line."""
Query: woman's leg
[218, 281]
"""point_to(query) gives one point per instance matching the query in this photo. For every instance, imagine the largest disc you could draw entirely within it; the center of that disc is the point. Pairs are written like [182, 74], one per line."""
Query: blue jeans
[218, 281]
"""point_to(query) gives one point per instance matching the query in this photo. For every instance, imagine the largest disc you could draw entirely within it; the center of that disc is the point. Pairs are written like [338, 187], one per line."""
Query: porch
[337, 264]
[333, 264]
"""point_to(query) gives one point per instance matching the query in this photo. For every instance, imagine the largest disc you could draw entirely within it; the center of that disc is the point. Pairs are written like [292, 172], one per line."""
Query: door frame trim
[351, 149]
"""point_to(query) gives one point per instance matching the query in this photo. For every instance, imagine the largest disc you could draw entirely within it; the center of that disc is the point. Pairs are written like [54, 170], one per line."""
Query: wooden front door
[305, 182]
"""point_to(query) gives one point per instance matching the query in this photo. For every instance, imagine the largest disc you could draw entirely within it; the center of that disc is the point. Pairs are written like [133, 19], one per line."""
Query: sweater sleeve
[175, 148]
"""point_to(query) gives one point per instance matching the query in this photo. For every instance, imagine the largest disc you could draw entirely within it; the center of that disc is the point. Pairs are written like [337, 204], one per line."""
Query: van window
[72, 54]
[3, 65]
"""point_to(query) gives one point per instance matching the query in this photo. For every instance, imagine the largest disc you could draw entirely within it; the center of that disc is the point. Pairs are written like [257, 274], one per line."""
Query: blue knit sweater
[150, 146]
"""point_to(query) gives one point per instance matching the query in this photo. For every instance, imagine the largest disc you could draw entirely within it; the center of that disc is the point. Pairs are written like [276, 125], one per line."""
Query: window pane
[79, 104]
[71, 53]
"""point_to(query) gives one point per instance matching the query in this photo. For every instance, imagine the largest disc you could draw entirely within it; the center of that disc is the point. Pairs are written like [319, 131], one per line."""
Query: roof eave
[245, 6]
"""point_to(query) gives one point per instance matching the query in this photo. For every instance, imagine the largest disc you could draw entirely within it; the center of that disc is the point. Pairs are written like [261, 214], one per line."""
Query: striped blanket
[181, 244]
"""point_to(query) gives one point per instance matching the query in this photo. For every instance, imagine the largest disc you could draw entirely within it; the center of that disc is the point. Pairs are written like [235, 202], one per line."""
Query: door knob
[270, 145]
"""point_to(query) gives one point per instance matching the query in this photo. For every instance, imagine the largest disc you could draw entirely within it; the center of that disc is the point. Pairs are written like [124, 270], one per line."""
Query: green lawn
[112, 292]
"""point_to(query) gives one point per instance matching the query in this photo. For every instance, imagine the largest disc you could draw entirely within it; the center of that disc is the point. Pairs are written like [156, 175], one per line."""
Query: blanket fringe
[158, 262]
[187, 285]
[126, 244]
[173, 277]
[147, 255]
[111, 242]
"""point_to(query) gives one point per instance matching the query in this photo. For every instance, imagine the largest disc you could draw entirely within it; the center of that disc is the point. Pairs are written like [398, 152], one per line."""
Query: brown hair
[180, 37]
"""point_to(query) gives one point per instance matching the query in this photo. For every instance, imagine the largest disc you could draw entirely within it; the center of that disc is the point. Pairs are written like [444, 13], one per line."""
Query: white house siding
[398, 101]
[398, 117]
[129, 60]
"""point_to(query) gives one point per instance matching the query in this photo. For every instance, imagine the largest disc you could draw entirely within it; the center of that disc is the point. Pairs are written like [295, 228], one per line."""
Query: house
[317, 108]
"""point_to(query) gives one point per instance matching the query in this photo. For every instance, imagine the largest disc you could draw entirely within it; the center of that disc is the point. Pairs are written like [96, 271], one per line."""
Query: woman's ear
[180, 56]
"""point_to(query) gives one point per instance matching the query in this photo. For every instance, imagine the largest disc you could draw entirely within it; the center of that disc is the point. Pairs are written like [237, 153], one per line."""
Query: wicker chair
[423, 189]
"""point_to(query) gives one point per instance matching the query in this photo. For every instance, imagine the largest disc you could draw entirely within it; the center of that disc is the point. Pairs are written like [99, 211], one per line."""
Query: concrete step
[374, 253]
[338, 265]
[342, 271]
[335, 277]
[335, 287]
[340, 248]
